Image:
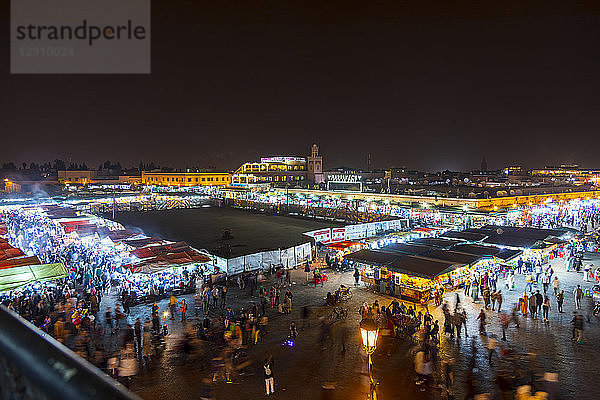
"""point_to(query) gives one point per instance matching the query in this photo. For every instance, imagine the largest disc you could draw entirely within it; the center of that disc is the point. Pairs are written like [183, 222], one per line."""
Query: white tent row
[288, 258]
[356, 231]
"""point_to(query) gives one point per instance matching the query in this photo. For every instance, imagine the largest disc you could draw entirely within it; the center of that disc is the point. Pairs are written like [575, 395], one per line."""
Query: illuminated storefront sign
[343, 178]
[282, 159]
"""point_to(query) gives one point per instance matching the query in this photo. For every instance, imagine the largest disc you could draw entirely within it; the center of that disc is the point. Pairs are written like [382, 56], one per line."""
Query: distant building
[278, 170]
[351, 179]
[9, 186]
[315, 166]
[81, 177]
[187, 179]
[130, 179]
[514, 170]
[568, 173]
[517, 175]
[484, 166]
[275, 170]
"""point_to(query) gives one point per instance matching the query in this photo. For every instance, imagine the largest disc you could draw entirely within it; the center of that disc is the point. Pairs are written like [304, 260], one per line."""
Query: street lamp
[369, 333]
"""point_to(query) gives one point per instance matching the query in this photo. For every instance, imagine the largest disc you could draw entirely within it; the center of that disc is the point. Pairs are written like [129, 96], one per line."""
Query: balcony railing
[35, 366]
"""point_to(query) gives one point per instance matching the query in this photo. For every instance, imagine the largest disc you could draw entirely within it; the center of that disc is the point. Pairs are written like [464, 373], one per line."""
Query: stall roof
[513, 241]
[428, 266]
[156, 264]
[407, 248]
[14, 278]
[137, 243]
[123, 234]
[487, 251]
[421, 266]
[476, 249]
[520, 237]
[173, 253]
[541, 245]
[554, 240]
[436, 242]
[19, 262]
[537, 233]
[508, 254]
[456, 257]
[430, 257]
[10, 252]
[373, 257]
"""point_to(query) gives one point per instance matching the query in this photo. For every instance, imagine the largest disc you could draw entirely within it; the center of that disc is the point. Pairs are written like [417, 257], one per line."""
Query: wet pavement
[304, 370]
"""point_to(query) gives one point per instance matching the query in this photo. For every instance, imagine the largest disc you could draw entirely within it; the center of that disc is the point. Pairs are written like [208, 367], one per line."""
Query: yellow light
[369, 333]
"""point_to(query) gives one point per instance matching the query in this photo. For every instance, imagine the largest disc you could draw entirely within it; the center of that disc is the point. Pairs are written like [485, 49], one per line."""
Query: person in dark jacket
[137, 328]
[539, 300]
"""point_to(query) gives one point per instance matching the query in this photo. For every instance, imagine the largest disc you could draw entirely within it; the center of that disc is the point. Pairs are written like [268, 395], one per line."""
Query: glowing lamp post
[369, 333]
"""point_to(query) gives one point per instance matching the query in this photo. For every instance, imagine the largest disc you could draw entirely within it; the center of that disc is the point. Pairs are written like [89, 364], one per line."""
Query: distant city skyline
[427, 88]
[77, 164]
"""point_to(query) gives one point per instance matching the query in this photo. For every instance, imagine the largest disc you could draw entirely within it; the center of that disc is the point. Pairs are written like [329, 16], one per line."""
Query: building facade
[187, 179]
[274, 170]
[282, 170]
[572, 173]
[81, 177]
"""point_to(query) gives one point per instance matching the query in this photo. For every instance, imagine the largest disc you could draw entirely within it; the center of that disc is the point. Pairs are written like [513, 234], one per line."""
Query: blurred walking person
[546, 308]
[560, 298]
[183, 310]
[578, 295]
[268, 374]
[481, 317]
[556, 285]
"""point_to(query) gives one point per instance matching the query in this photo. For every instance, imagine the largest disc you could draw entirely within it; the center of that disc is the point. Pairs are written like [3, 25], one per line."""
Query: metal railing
[35, 366]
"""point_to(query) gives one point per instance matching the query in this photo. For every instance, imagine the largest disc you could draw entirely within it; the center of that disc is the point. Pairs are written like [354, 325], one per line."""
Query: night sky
[427, 87]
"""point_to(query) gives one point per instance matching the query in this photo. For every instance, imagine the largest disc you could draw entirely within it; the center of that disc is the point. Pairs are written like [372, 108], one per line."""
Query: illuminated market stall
[346, 246]
[413, 269]
[409, 277]
[413, 277]
[165, 268]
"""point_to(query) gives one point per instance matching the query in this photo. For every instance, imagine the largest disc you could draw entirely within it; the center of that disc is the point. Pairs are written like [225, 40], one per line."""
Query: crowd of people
[69, 309]
[74, 310]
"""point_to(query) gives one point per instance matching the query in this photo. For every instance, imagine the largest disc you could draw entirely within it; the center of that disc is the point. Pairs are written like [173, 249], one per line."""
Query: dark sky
[417, 84]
